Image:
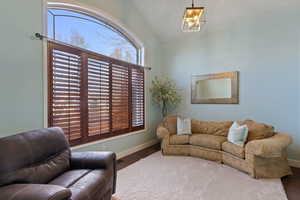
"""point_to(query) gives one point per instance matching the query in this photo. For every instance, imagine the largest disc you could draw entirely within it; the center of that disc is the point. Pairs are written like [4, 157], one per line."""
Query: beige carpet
[160, 177]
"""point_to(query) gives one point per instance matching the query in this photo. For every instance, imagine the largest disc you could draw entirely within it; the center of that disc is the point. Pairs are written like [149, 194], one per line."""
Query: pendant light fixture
[193, 19]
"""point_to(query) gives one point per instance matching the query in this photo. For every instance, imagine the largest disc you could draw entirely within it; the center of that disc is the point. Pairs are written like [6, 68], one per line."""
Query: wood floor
[128, 160]
[291, 183]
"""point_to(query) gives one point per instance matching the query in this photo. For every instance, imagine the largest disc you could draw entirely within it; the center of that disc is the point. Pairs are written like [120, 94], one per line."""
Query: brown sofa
[38, 165]
[264, 155]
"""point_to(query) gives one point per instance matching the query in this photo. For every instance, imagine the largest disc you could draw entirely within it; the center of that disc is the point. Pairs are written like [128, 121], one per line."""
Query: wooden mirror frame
[233, 76]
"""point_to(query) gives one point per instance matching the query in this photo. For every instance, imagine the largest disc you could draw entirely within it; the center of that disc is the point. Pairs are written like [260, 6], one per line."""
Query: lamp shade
[193, 19]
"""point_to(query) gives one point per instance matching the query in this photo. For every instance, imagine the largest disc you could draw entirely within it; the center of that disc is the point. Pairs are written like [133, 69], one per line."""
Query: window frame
[104, 17]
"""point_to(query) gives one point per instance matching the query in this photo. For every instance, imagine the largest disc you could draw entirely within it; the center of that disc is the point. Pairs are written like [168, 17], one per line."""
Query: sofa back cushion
[170, 122]
[211, 128]
[34, 157]
[258, 130]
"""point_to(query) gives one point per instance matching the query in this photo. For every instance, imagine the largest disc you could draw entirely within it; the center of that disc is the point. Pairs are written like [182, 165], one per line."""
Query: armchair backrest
[34, 157]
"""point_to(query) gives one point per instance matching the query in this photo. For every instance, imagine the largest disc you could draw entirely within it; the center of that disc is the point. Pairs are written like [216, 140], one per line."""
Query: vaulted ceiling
[165, 16]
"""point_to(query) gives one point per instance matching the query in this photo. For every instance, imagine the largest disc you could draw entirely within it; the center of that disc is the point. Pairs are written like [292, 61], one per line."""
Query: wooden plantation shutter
[120, 98]
[138, 98]
[92, 96]
[98, 97]
[64, 90]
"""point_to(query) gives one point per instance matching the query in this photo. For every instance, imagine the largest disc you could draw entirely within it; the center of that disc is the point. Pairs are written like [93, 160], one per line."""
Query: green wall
[21, 67]
[21, 90]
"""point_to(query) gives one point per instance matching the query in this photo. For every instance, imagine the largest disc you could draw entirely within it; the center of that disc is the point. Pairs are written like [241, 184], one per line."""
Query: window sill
[108, 139]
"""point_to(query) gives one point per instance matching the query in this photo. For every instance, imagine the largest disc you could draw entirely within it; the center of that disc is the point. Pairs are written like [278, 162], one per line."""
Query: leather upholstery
[33, 157]
[96, 160]
[34, 192]
[86, 184]
[38, 165]
[39, 173]
[69, 178]
[94, 184]
[92, 160]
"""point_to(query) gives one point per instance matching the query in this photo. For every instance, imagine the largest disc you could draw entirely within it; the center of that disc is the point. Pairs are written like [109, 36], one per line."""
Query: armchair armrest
[92, 160]
[269, 147]
[162, 132]
[34, 191]
[96, 160]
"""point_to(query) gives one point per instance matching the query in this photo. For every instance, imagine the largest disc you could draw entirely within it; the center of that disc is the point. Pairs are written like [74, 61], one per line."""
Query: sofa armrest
[162, 132]
[92, 160]
[34, 192]
[270, 147]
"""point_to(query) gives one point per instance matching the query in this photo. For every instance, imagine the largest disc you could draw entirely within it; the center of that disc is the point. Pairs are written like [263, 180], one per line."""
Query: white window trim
[108, 139]
[105, 17]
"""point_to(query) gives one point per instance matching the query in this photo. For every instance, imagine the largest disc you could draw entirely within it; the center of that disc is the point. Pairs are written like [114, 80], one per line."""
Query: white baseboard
[137, 148]
[294, 163]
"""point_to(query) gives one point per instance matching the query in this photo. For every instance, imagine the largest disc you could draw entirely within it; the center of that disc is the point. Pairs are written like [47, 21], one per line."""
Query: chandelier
[193, 19]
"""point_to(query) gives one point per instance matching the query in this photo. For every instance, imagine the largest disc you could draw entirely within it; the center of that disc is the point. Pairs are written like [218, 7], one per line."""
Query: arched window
[95, 85]
[90, 33]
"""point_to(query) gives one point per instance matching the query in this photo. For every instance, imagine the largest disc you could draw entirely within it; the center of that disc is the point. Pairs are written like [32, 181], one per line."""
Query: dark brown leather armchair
[38, 165]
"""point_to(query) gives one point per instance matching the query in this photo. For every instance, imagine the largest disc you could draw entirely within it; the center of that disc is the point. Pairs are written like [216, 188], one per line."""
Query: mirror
[219, 88]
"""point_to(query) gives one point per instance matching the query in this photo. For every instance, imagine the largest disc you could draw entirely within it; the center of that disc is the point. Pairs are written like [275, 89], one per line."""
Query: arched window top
[85, 31]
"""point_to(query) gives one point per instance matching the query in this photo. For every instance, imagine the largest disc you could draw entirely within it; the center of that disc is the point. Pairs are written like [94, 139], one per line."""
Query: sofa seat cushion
[234, 149]
[179, 139]
[85, 184]
[69, 178]
[208, 141]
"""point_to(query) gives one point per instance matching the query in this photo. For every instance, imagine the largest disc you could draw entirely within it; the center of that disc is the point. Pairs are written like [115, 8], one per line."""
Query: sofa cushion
[211, 128]
[85, 183]
[258, 130]
[179, 139]
[208, 141]
[170, 122]
[234, 149]
[69, 178]
[34, 192]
